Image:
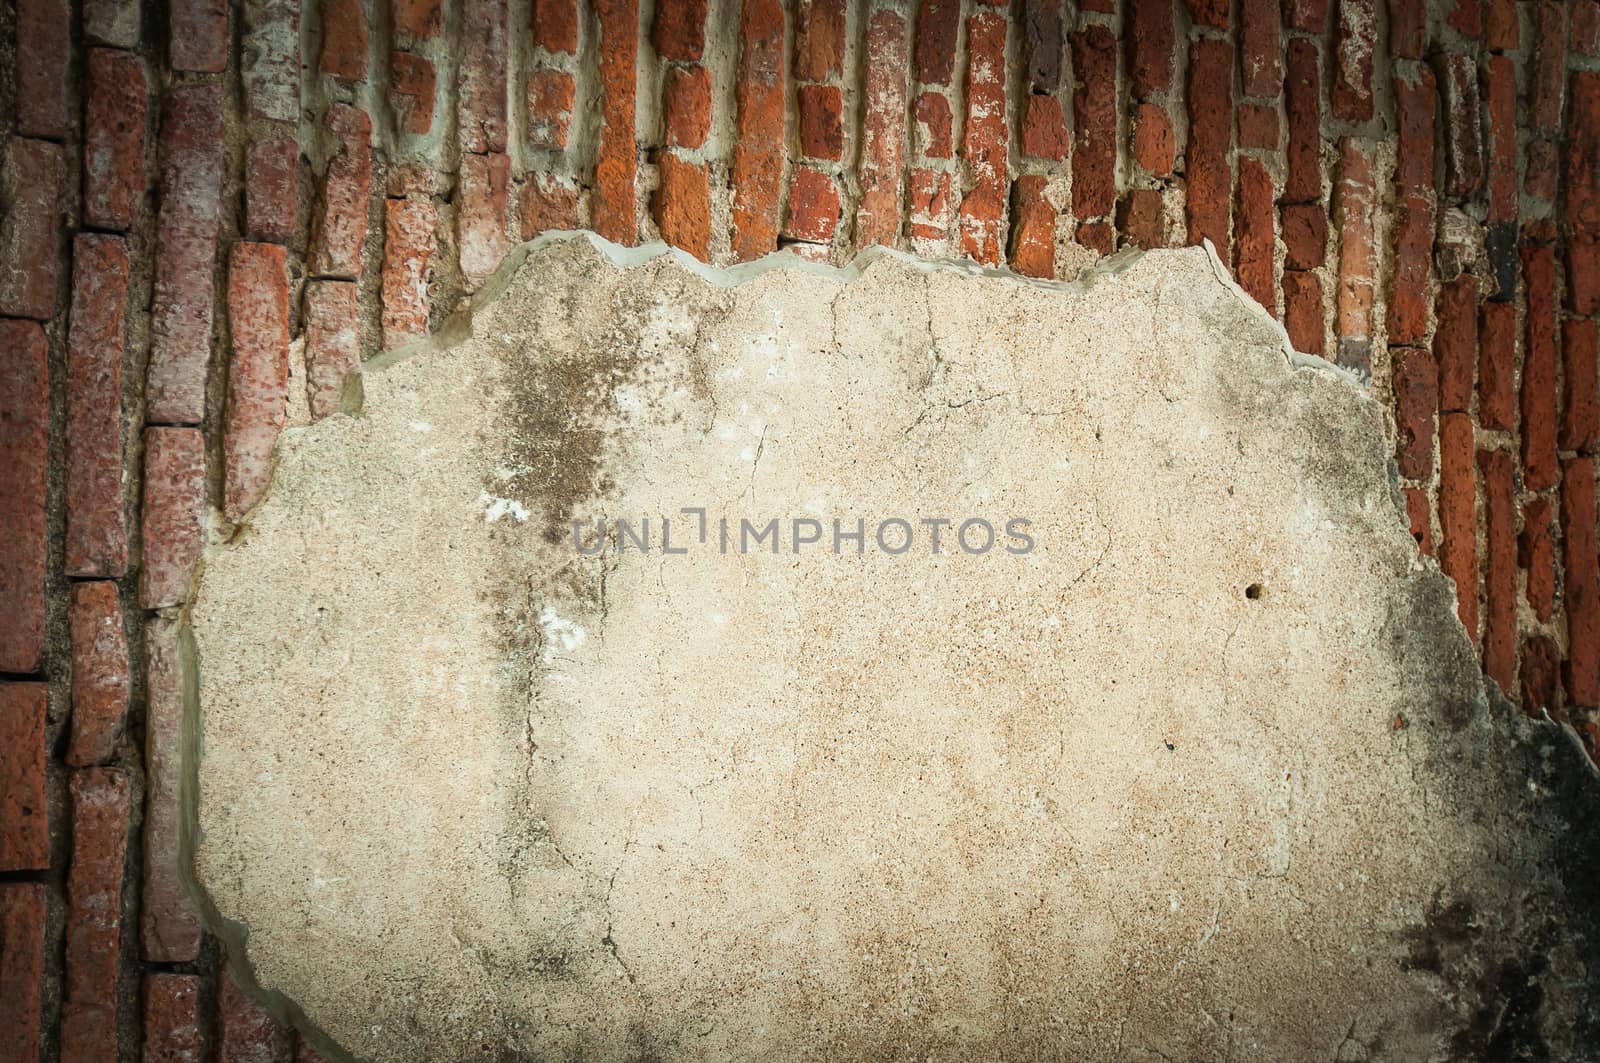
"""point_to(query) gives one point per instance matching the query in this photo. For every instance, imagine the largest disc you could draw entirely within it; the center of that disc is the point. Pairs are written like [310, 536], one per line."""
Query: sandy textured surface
[1208, 773]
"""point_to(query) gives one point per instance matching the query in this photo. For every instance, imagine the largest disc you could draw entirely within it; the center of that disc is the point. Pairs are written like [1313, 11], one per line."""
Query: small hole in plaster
[1253, 591]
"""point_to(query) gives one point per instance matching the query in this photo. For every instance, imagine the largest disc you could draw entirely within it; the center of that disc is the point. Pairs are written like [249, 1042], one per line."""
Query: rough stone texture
[1220, 721]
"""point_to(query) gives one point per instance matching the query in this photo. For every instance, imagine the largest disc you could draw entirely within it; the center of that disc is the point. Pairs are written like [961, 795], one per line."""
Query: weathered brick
[549, 201]
[1538, 397]
[174, 514]
[1408, 28]
[931, 210]
[1458, 77]
[32, 184]
[1356, 41]
[304, 1053]
[1416, 401]
[1155, 145]
[1500, 31]
[1141, 218]
[113, 139]
[1261, 69]
[1540, 170]
[1411, 273]
[43, 66]
[1210, 138]
[424, 19]
[1580, 410]
[1033, 228]
[819, 39]
[23, 913]
[1210, 12]
[96, 535]
[1044, 129]
[1536, 555]
[25, 823]
[481, 84]
[407, 267]
[482, 215]
[100, 676]
[258, 371]
[1500, 590]
[272, 188]
[1458, 519]
[24, 440]
[1414, 100]
[342, 224]
[1497, 360]
[1582, 221]
[1309, 15]
[271, 58]
[1302, 311]
[1151, 46]
[1094, 108]
[1581, 557]
[883, 127]
[1305, 236]
[682, 206]
[101, 808]
[344, 39]
[333, 342]
[821, 121]
[246, 1031]
[169, 929]
[813, 213]
[1465, 17]
[1258, 126]
[1455, 342]
[982, 214]
[1500, 88]
[1585, 22]
[413, 87]
[1420, 517]
[197, 35]
[1097, 236]
[180, 316]
[1041, 39]
[555, 24]
[550, 94]
[938, 23]
[1540, 686]
[616, 167]
[1254, 239]
[934, 125]
[1303, 104]
[1548, 76]
[686, 104]
[1353, 201]
[680, 29]
[172, 1018]
[114, 22]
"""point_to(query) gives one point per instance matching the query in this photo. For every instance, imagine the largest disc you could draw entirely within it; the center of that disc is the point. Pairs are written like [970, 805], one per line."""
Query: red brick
[1458, 75]
[270, 55]
[1500, 592]
[1103, 6]
[883, 129]
[344, 39]
[1353, 201]
[1258, 126]
[407, 257]
[342, 225]
[246, 1031]
[197, 35]
[1420, 516]
[1500, 31]
[682, 206]
[481, 84]
[1538, 398]
[819, 39]
[1305, 236]
[615, 170]
[101, 808]
[23, 912]
[1458, 521]
[1356, 34]
[43, 59]
[821, 121]
[113, 148]
[1309, 15]
[930, 211]
[32, 180]
[982, 215]
[686, 105]
[1465, 17]
[934, 125]
[1411, 274]
[180, 317]
[680, 29]
[548, 202]
[172, 1018]
[169, 930]
[423, 19]
[1540, 170]
[938, 22]
[1414, 99]
[114, 22]
[413, 85]
[550, 94]
[1416, 401]
[1044, 128]
[96, 535]
[1536, 554]
[1209, 12]
[1155, 146]
[555, 23]
[1143, 218]
[1261, 69]
[1549, 69]
[1302, 311]
[25, 825]
[1580, 411]
[24, 440]
[1497, 359]
[1582, 556]
[100, 683]
[813, 206]
[258, 371]
[333, 342]
[1541, 664]
[1210, 135]
[1583, 193]
[272, 188]
[174, 515]
[1097, 236]
[1253, 248]
[1500, 87]
[1033, 228]
[1041, 39]
[1585, 39]
[1455, 342]
[1094, 108]
[1302, 102]
[1151, 44]
[1408, 28]
[482, 215]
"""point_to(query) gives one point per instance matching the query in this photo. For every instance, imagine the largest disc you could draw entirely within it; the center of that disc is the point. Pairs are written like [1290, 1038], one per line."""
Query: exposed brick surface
[482, 216]
[1044, 129]
[1151, 46]
[172, 1018]
[96, 534]
[1261, 69]
[883, 125]
[1254, 238]
[932, 210]
[821, 116]
[344, 39]
[1353, 202]
[424, 19]
[680, 29]
[113, 139]
[43, 68]
[1536, 556]
[1412, 273]
[819, 39]
[1420, 516]
[1209, 12]
[555, 24]
[342, 222]
[1142, 219]
[682, 206]
[1210, 138]
[686, 106]
[1538, 395]
[550, 94]
[198, 35]
[1583, 194]
[1258, 126]
[174, 515]
[1458, 80]
[24, 825]
[1302, 96]
[246, 1032]
[272, 188]
[548, 202]
[1302, 311]
[24, 440]
[1155, 145]
[32, 183]
[258, 371]
[481, 88]
[413, 86]
[169, 931]
[813, 206]
[1540, 687]
[934, 125]
[1582, 555]
[407, 264]
[1500, 31]
[114, 22]
[180, 317]
[1465, 17]
[1416, 400]
[1408, 28]
[1094, 107]
[1310, 15]
[1041, 39]
[938, 23]
[1497, 354]
[271, 58]
[1455, 342]
[1549, 73]
[22, 951]
[617, 165]
[1356, 43]
[1033, 228]
[1458, 520]
[1500, 88]
[101, 808]
[1580, 408]
[100, 673]
[1500, 566]
[333, 347]
[1305, 236]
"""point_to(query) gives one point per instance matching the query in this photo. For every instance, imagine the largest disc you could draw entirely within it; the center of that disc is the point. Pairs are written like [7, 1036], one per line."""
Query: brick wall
[212, 212]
